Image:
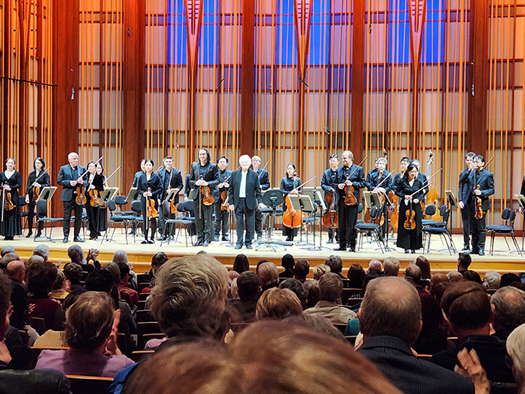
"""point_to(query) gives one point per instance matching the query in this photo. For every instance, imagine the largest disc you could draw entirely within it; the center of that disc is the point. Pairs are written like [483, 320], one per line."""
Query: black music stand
[272, 199]
[45, 196]
[452, 203]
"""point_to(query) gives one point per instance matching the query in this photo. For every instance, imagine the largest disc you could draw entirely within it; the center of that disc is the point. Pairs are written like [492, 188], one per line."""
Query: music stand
[44, 198]
[452, 202]
[108, 194]
[272, 199]
[132, 194]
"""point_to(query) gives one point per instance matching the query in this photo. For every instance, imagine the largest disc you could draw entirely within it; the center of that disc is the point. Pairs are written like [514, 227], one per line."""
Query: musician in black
[11, 182]
[522, 192]
[465, 199]
[329, 184]
[290, 183]
[134, 184]
[170, 179]
[70, 178]
[102, 210]
[264, 181]
[482, 186]
[379, 181]
[411, 191]
[149, 188]
[403, 164]
[203, 174]
[93, 192]
[36, 180]
[221, 222]
[349, 174]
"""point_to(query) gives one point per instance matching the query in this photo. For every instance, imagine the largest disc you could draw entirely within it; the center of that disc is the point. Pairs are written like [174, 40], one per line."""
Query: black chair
[371, 228]
[430, 210]
[41, 210]
[22, 203]
[506, 229]
[118, 217]
[38, 323]
[439, 228]
[88, 384]
[184, 221]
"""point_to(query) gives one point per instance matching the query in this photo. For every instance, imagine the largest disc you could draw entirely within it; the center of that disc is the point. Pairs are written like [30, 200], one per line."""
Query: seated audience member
[508, 279]
[424, 265]
[508, 309]
[438, 286]
[120, 256]
[467, 308]
[41, 250]
[40, 279]
[329, 305]
[248, 289]
[6, 259]
[73, 273]
[301, 270]
[319, 324]
[515, 346]
[278, 304]
[7, 249]
[241, 263]
[157, 261]
[390, 320]
[268, 275]
[60, 288]
[126, 293]
[320, 270]
[375, 270]
[335, 263]
[413, 275]
[266, 357]
[473, 276]
[356, 276]
[76, 255]
[491, 280]
[311, 292]
[13, 381]
[295, 286]
[288, 263]
[91, 334]
[391, 266]
[16, 270]
[454, 276]
[464, 261]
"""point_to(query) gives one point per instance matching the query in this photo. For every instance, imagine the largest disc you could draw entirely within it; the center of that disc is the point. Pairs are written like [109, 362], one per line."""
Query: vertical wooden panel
[358, 62]
[247, 79]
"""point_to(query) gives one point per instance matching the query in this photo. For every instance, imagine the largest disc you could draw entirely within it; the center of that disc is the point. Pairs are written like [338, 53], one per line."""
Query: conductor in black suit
[70, 177]
[244, 196]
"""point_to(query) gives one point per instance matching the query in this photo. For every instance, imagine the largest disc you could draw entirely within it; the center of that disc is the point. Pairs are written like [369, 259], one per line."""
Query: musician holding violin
[465, 199]
[379, 181]
[149, 188]
[72, 194]
[290, 184]
[93, 193]
[411, 191]
[350, 178]
[329, 185]
[36, 180]
[170, 179]
[264, 181]
[203, 181]
[221, 222]
[10, 182]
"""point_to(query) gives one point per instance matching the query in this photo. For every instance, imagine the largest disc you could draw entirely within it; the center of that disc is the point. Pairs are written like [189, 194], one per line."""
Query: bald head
[375, 266]
[391, 307]
[413, 273]
[16, 270]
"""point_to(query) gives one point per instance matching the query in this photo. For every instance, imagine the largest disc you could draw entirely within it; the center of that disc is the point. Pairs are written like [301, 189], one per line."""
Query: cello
[293, 218]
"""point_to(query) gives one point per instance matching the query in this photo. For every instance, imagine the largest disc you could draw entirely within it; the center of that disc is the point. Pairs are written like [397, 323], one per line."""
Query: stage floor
[140, 255]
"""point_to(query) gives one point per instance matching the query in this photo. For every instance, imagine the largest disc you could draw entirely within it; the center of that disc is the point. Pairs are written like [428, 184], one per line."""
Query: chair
[138, 355]
[144, 315]
[354, 303]
[88, 384]
[439, 228]
[506, 229]
[117, 217]
[143, 296]
[38, 323]
[430, 210]
[41, 209]
[350, 293]
[341, 327]
[351, 338]
[144, 328]
[371, 228]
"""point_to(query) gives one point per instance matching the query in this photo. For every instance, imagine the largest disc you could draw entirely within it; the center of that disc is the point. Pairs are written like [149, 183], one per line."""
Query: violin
[224, 197]
[479, 206]
[80, 192]
[9, 205]
[36, 191]
[393, 215]
[94, 198]
[173, 207]
[330, 217]
[349, 198]
[410, 219]
[207, 197]
[151, 210]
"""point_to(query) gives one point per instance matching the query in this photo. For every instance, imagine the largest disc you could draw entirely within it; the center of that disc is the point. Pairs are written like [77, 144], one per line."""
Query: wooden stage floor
[140, 255]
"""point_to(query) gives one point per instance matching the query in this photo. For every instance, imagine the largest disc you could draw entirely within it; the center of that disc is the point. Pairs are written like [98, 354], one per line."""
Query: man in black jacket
[482, 185]
[465, 199]
[70, 178]
[390, 320]
[244, 196]
[264, 181]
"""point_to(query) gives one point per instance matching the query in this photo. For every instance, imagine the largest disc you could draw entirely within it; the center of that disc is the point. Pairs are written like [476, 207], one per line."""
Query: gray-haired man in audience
[508, 308]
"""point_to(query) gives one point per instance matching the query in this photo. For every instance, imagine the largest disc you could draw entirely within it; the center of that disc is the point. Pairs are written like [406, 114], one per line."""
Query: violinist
[411, 191]
[36, 180]
[203, 181]
[329, 185]
[93, 192]
[149, 188]
[102, 210]
[350, 178]
[170, 179]
[465, 199]
[403, 164]
[482, 186]
[10, 181]
[70, 178]
[264, 181]
[290, 183]
[379, 181]
[221, 215]
[134, 184]
[244, 196]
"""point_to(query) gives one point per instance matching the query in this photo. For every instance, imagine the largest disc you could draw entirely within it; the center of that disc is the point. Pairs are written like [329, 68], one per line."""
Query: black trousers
[478, 230]
[68, 207]
[30, 217]
[150, 225]
[258, 222]
[347, 222]
[221, 222]
[203, 222]
[466, 214]
[93, 218]
[245, 219]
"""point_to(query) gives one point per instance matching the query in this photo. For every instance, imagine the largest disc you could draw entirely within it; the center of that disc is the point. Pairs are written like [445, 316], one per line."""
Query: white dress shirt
[242, 191]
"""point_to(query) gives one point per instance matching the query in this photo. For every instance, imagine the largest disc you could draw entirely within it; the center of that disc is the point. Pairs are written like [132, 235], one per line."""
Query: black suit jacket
[410, 374]
[523, 187]
[176, 181]
[208, 173]
[465, 187]
[65, 175]
[253, 189]
[373, 179]
[485, 180]
[44, 181]
[264, 180]
[154, 184]
[357, 177]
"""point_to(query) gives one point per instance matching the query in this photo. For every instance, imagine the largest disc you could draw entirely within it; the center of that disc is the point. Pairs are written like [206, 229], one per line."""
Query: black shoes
[238, 246]
[249, 246]
[330, 241]
[341, 249]
[29, 234]
[65, 240]
[225, 238]
[481, 251]
[78, 239]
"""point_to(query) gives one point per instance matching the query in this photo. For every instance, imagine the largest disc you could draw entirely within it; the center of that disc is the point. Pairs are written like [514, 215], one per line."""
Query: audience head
[156, 262]
[424, 265]
[311, 290]
[301, 269]
[114, 270]
[60, 281]
[100, 280]
[320, 270]
[16, 270]
[297, 287]
[508, 309]
[392, 307]
[241, 263]
[288, 262]
[124, 271]
[492, 280]
[40, 278]
[75, 254]
[189, 297]
[467, 308]
[278, 304]
[120, 256]
[7, 258]
[7, 249]
[455, 276]
[330, 288]
[413, 274]
[375, 267]
[248, 286]
[35, 259]
[42, 250]
[73, 273]
[391, 266]
[508, 279]
[515, 344]
[464, 261]
[5, 304]
[472, 276]
[335, 263]
[356, 276]
[268, 275]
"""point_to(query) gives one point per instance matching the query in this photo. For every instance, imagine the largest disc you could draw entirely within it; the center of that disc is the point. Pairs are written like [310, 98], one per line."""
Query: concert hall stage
[140, 255]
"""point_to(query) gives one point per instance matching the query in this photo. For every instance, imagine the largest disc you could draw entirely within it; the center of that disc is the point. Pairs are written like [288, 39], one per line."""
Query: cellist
[290, 183]
[329, 185]
[379, 181]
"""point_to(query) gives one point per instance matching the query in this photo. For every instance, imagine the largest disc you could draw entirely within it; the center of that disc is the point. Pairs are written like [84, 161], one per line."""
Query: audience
[424, 265]
[492, 280]
[7, 249]
[126, 293]
[390, 320]
[157, 261]
[241, 263]
[516, 350]
[74, 273]
[278, 304]
[268, 275]
[329, 305]
[356, 276]
[60, 289]
[301, 270]
[391, 266]
[508, 279]
[508, 309]
[41, 250]
[472, 276]
[464, 261]
[297, 287]
[320, 270]
[288, 263]
[454, 276]
[413, 274]
[248, 289]
[311, 291]
[336, 265]
[16, 271]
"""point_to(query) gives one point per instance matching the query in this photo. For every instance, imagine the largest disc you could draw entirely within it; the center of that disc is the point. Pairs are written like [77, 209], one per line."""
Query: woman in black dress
[289, 183]
[11, 181]
[93, 191]
[36, 180]
[148, 185]
[410, 196]
[102, 211]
